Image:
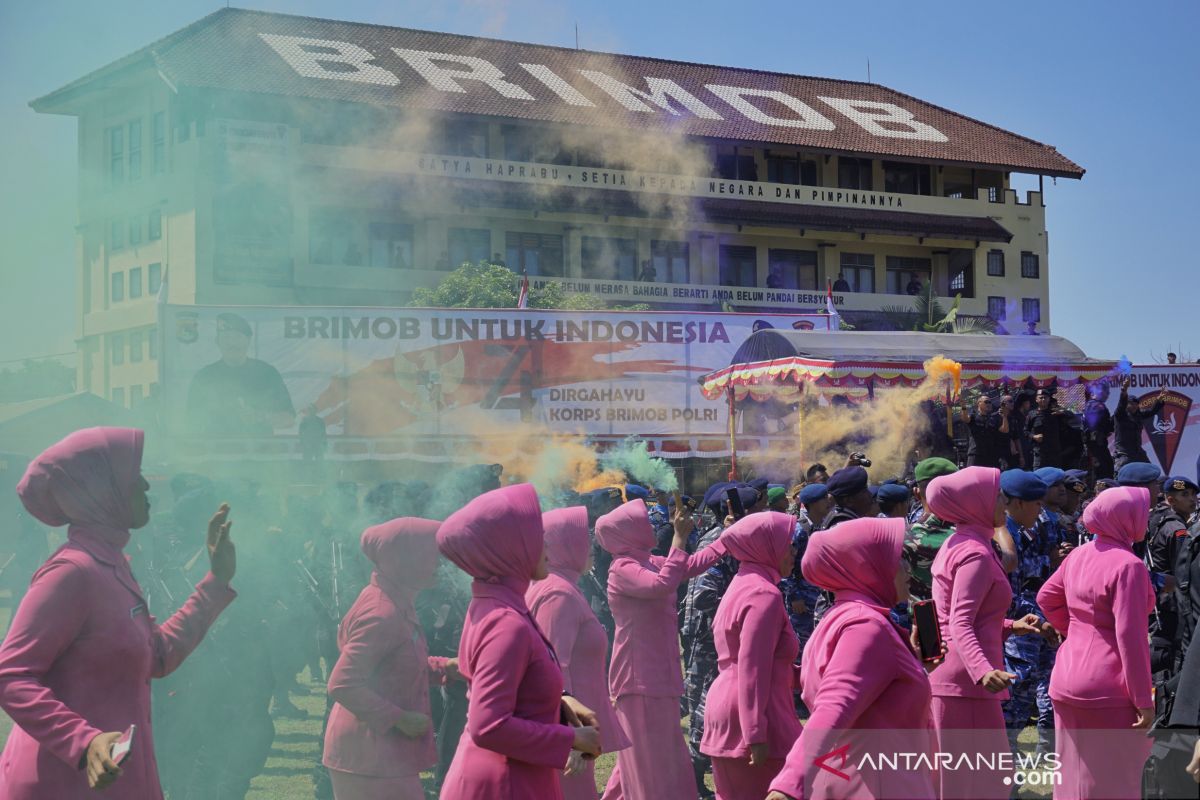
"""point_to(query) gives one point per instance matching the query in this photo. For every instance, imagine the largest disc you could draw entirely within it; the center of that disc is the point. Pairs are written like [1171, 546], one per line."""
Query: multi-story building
[255, 158]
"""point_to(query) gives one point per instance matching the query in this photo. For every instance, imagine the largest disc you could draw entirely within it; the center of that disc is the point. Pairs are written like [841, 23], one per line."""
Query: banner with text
[425, 372]
[1171, 437]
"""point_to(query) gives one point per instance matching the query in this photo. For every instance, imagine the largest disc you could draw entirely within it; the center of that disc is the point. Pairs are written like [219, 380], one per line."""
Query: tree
[38, 378]
[485, 285]
[927, 315]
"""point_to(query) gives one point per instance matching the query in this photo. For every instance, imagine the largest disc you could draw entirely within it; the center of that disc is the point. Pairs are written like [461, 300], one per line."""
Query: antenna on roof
[576, 35]
[868, 70]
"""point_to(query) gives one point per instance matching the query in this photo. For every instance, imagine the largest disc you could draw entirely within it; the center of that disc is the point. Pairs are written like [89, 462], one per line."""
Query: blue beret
[1051, 475]
[687, 501]
[748, 495]
[890, 493]
[1136, 473]
[759, 485]
[812, 493]
[1022, 485]
[1177, 483]
[635, 492]
[847, 481]
[1077, 480]
[715, 495]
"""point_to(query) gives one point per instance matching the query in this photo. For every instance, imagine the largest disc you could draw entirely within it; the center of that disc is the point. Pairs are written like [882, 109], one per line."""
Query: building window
[116, 291]
[118, 397]
[854, 173]
[116, 234]
[462, 138]
[135, 283]
[330, 239]
[152, 344]
[1031, 309]
[468, 246]
[737, 166]
[995, 263]
[791, 169]
[135, 150]
[998, 308]
[135, 347]
[116, 156]
[962, 280]
[857, 274]
[153, 279]
[159, 132]
[135, 231]
[116, 346]
[669, 261]
[907, 275]
[135, 396]
[907, 178]
[534, 253]
[739, 265]
[1029, 266]
[153, 390]
[154, 226]
[528, 143]
[610, 259]
[391, 245]
[791, 269]
[993, 194]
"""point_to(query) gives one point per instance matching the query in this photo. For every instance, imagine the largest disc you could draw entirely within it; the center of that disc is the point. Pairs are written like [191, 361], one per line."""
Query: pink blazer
[514, 745]
[78, 661]
[581, 645]
[972, 595]
[384, 670]
[867, 690]
[750, 702]
[1100, 599]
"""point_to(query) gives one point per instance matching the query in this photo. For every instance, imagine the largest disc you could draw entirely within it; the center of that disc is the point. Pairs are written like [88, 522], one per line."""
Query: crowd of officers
[302, 548]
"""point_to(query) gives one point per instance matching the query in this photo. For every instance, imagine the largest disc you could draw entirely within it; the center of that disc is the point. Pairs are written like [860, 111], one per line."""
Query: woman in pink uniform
[76, 665]
[645, 675]
[515, 744]
[868, 691]
[379, 737]
[1100, 599]
[750, 718]
[972, 595]
[563, 614]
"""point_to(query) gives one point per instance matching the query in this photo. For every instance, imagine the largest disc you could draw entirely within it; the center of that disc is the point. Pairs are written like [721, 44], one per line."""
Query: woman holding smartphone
[1099, 599]
[517, 739]
[867, 688]
[76, 665]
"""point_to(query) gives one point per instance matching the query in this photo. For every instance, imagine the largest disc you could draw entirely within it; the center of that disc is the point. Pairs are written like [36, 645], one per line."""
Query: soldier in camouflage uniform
[799, 596]
[704, 594]
[1031, 658]
[925, 536]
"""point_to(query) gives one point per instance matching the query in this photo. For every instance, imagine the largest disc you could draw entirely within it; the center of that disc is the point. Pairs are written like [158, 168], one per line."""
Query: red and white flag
[523, 294]
[835, 321]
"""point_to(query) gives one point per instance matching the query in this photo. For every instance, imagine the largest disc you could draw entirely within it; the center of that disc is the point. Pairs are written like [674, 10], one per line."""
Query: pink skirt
[972, 732]
[348, 786]
[737, 780]
[1102, 756]
[657, 765]
[581, 786]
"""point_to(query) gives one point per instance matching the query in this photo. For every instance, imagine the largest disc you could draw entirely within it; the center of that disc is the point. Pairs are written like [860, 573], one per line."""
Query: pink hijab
[497, 537]
[761, 539]
[626, 531]
[87, 481]
[567, 542]
[1119, 514]
[404, 552]
[857, 560]
[967, 499]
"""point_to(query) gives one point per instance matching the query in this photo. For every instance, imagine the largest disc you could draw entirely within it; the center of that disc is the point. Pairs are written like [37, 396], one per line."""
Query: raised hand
[222, 556]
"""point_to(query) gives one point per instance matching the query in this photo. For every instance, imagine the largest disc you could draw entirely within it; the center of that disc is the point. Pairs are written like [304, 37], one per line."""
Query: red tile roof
[227, 51]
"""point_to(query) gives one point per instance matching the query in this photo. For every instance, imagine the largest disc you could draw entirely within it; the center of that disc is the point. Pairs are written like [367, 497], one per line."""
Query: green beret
[932, 468]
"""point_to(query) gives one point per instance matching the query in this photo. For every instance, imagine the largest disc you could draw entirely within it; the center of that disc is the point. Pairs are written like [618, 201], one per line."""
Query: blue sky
[1114, 86]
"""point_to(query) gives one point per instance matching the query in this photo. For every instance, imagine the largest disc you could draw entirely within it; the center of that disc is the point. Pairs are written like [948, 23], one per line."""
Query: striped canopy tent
[783, 364]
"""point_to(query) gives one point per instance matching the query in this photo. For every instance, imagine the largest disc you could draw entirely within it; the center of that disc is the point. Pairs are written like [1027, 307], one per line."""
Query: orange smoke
[940, 368]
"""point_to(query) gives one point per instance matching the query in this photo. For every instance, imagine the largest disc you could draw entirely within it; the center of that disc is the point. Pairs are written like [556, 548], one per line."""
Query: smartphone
[736, 509]
[929, 635]
[123, 747]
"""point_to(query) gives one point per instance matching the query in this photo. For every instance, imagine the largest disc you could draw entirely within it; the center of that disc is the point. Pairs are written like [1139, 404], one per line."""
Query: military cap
[1022, 485]
[774, 493]
[1076, 480]
[688, 502]
[932, 468]
[890, 493]
[759, 485]
[813, 493]
[1051, 476]
[1137, 473]
[847, 481]
[1179, 483]
[234, 322]
[636, 492]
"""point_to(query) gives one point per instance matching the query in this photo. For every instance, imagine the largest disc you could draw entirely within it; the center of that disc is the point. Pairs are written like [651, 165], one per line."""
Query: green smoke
[632, 458]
